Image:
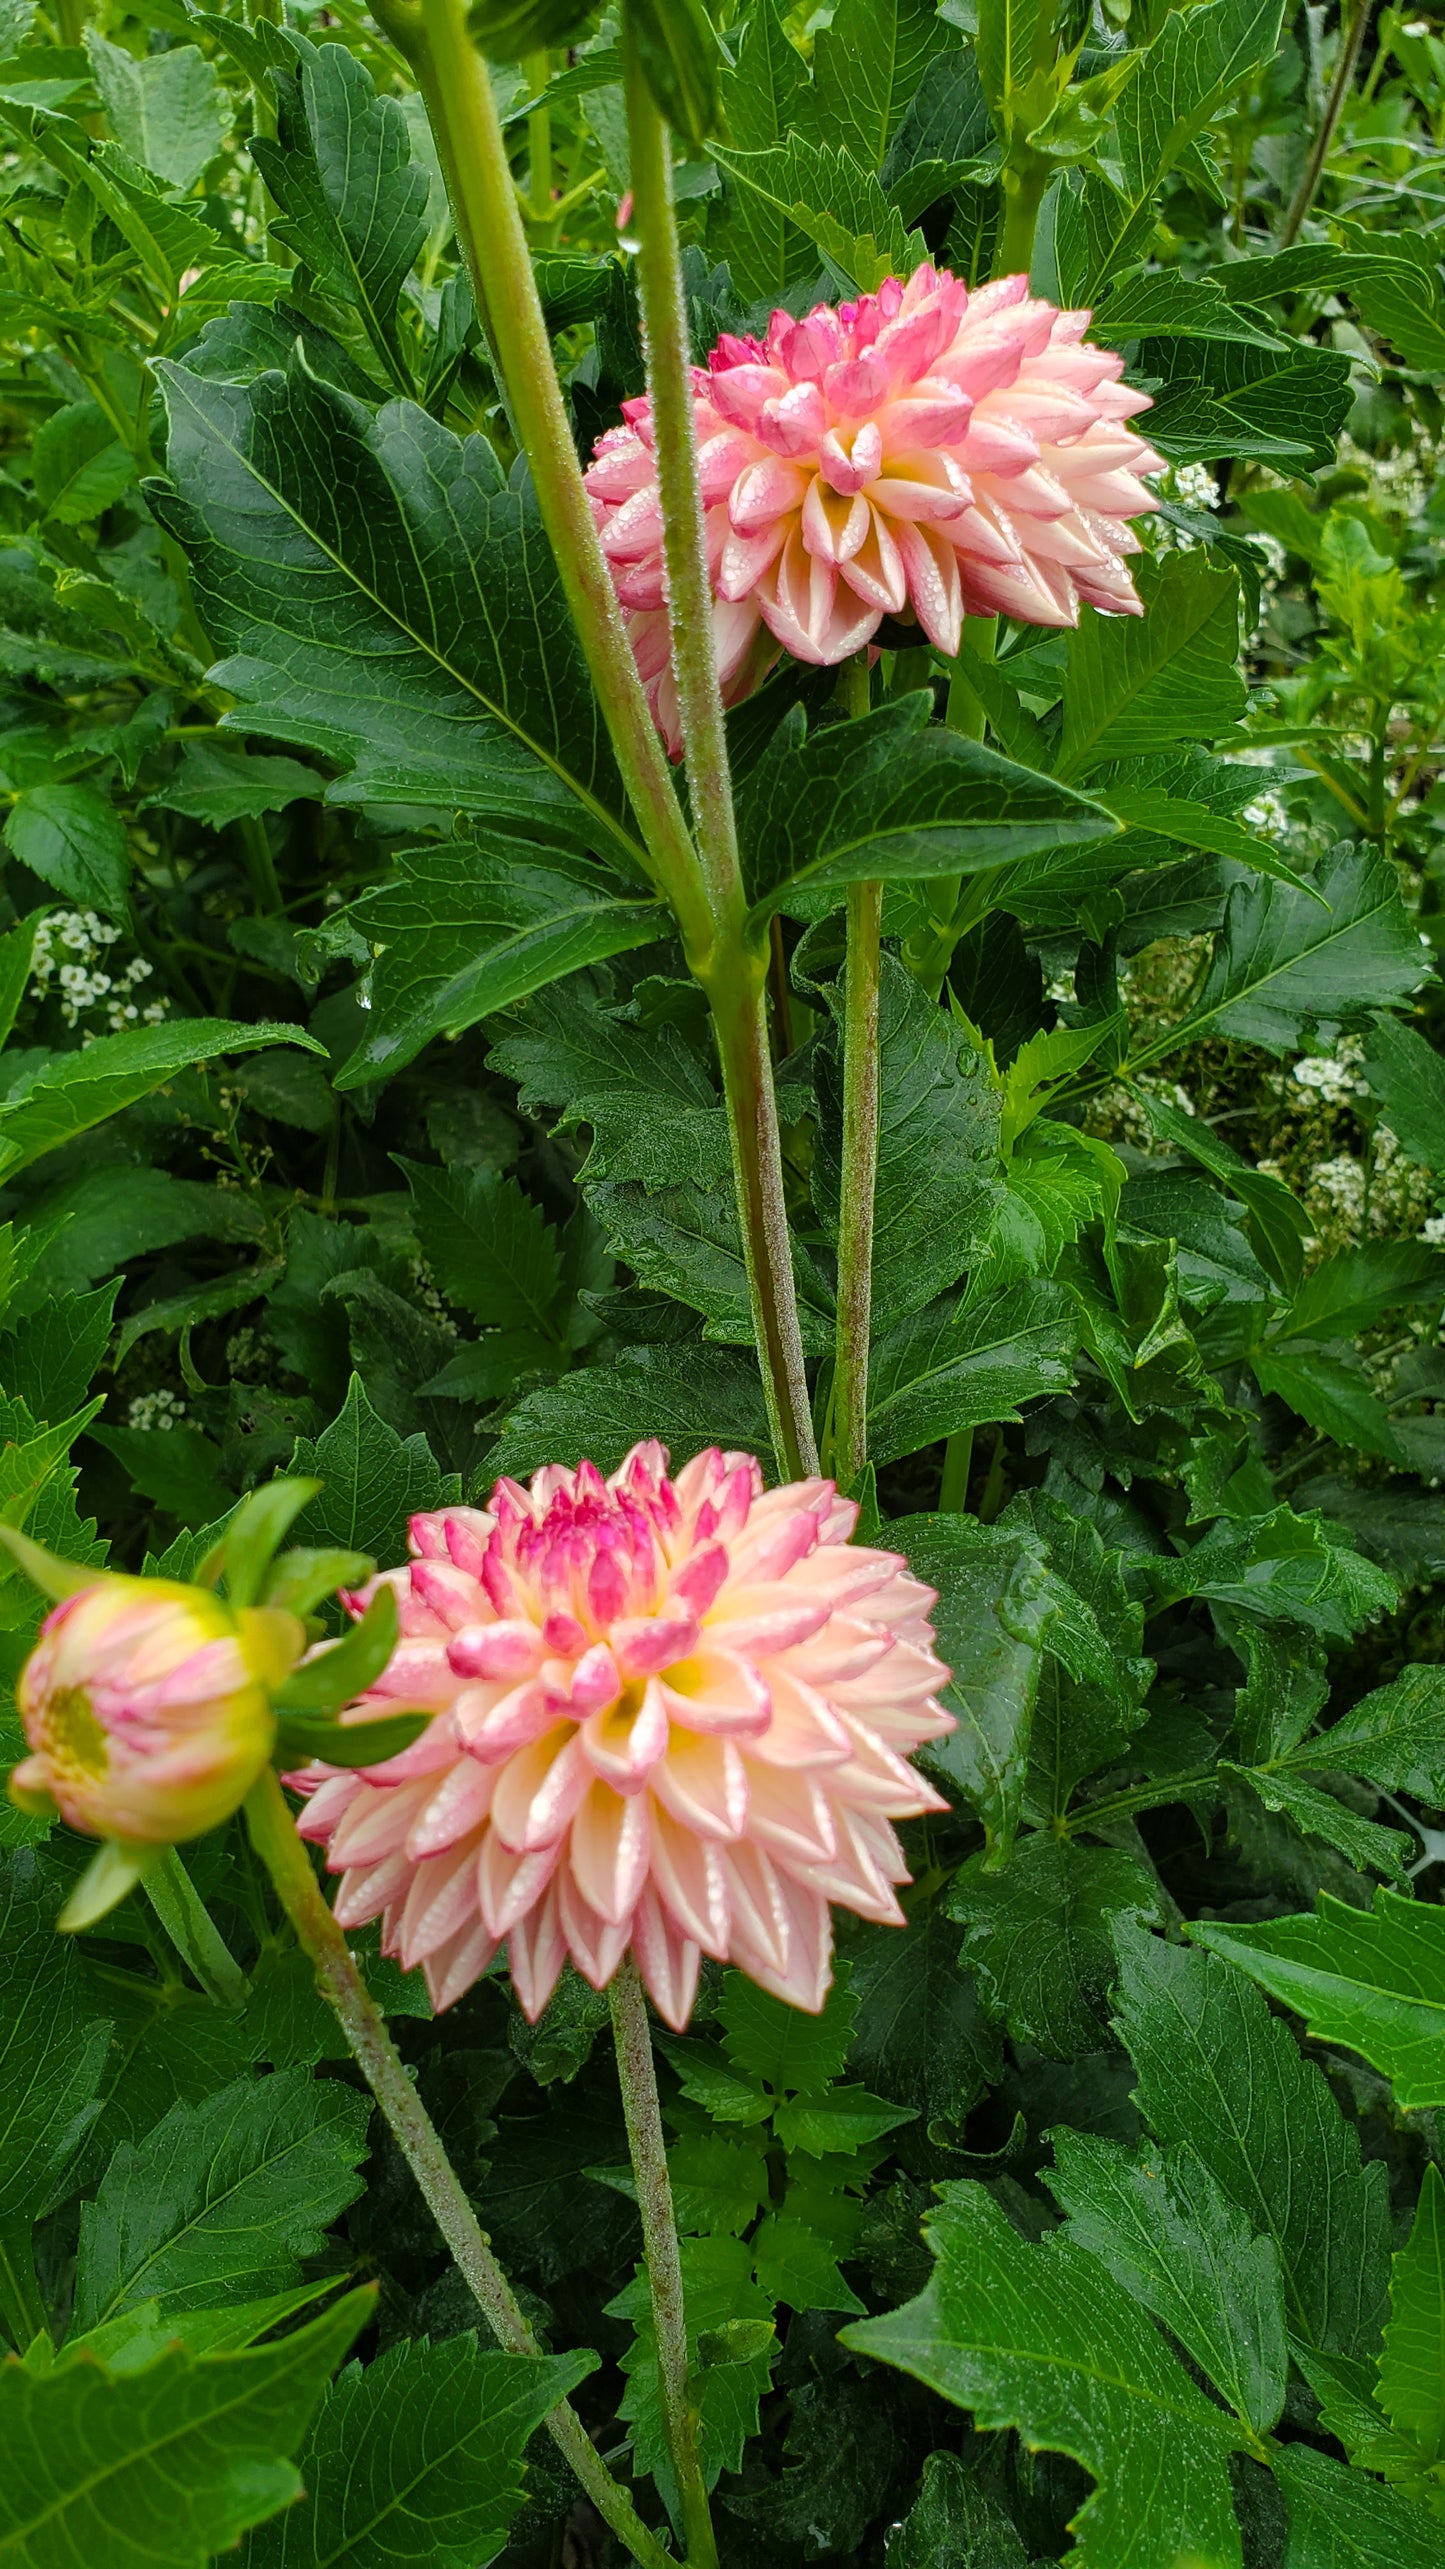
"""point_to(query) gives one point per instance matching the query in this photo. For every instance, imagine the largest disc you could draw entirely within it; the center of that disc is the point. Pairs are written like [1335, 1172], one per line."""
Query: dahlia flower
[147, 1709]
[672, 1715]
[922, 449]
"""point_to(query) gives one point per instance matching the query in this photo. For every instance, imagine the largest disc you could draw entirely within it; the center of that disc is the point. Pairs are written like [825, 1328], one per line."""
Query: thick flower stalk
[922, 452]
[147, 1709]
[672, 1717]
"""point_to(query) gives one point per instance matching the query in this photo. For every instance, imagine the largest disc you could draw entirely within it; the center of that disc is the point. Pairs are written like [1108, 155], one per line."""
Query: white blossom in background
[1433, 1231]
[1334, 1075]
[155, 1409]
[73, 952]
[1267, 814]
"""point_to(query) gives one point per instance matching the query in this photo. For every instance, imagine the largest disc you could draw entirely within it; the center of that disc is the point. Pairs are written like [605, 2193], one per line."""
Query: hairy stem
[633, 2038]
[1351, 39]
[537, 68]
[188, 1922]
[689, 589]
[273, 1834]
[463, 114]
[737, 994]
[859, 1180]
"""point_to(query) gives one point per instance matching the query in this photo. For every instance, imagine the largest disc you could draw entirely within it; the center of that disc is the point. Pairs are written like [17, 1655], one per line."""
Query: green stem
[737, 995]
[1026, 175]
[273, 1834]
[929, 953]
[633, 2038]
[188, 1922]
[538, 69]
[260, 864]
[689, 589]
[463, 114]
[1145, 1797]
[859, 1178]
[957, 1464]
[1351, 39]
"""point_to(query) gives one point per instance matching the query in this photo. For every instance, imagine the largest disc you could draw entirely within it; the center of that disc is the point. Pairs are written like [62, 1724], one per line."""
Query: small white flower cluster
[1334, 1075]
[1341, 1182]
[433, 1303]
[1433, 1231]
[1192, 486]
[155, 1409]
[1267, 814]
[70, 948]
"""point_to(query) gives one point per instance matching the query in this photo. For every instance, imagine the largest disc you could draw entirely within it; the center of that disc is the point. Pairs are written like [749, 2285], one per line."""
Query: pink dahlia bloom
[147, 1709]
[922, 448]
[672, 1715]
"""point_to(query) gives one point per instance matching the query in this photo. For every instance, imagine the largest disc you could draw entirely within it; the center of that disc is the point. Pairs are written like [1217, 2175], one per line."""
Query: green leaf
[1135, 684]
[51, 2056]
[1278, 1222]
[952, 1366]
[73, 839]
[373, 1480]
[653, 1112]
[1040, 1936]
[937, 1148]
[920, 2035]
[867, 65]
[168, 110]
[684, 1241]
[1412, 2359]
[1216, 2071]
[718, 2289]
[1332, 1392]
[327, 1679]
[1282, 968]
[417, 632]
[1394, 1736]
[352, 198]
[464, 931]
[762, 99]
[1369, 1848]
[697, 1397]
[794, 2054]
[1043, 2339]
[1408, 1077]
[488, 1244]
[954, 2523]
[1197, 61]
[1172, 2238]
[508, 30]
[72, 1091]
[1339, 2519]
[845, 2120]
[417, 2455]
[48, 1359]
[831, 197]
[218, 781]
[81, 467]
[1352, 1289]
[893, 797]
[161, 2468]
[1188, 824]
[1372, 1980]
[995, 1604]
[178, 1467]
[223, 2199]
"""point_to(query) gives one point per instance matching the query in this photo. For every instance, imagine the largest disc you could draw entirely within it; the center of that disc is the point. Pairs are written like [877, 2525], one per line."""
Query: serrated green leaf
[1373, 1980]
[417, 2455]
[1281, 966]
[1040, 1934]
[72, 1091]
[845, 2120]
[1042, 2338]
[995, 1604]
[1363, 1843]
[372, 1480]
[52, 2052]
[867, 65]
[352, 198]
[1196, 61]
[953, 1366]
[920, 2035]
[653, 1112]
[762, 96]
[1216, 2071]
[793, 2053]
[719, 2290]
[937, 1148]
[1394, 1736]
[222, 2199]
[1339, 2519]
[1412, 2360]
[894, 797]
[690, 1399]
[73, 839]
[81, 466]
[832, 198]
[954, 2523]
[1135, 684]
[488, 1244]
[161, 2468]
[218, 781]
[168, 110]
[1408, 1077]
[1173, 2239]
[464, 931]
[1332, 1392]
[418, 637]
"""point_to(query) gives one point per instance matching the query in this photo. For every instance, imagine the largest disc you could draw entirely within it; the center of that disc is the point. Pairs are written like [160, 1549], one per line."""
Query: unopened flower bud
[147, 1708]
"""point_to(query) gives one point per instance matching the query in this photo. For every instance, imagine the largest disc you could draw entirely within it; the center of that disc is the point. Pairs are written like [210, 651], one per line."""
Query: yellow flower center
[74, 1740]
